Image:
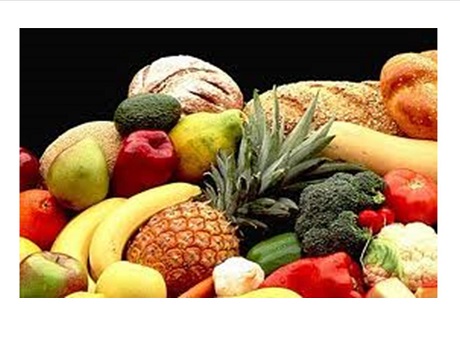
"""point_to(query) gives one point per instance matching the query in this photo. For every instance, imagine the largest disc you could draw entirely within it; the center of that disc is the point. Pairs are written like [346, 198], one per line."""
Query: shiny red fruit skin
[146, 159]
[412, 196]
[388, 215]
[29, 173]
[371, 219]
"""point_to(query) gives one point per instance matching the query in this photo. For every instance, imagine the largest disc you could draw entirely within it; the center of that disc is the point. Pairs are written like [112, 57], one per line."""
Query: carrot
[204, 289]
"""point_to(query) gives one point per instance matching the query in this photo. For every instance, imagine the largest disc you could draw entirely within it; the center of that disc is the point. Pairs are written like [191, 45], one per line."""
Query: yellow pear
[198, 137]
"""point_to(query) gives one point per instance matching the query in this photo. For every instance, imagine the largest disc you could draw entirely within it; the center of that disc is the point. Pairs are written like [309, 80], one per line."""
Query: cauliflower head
[237, 276]
[409, 252]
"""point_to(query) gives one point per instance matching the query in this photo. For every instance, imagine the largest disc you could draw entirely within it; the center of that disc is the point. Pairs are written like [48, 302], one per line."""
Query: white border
[232, 321]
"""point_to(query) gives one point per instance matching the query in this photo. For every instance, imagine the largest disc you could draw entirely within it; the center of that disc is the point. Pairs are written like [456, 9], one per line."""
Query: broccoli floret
[323, 203]
[320, 204]
[343, 234]
[342, 177]
[371, 188]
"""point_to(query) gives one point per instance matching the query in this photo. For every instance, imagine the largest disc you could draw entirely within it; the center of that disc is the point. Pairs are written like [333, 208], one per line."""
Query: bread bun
[359, 103]
[198, 85]
[409, 86]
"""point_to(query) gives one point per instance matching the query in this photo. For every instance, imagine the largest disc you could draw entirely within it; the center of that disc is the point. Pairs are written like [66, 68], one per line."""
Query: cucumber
[275, 252]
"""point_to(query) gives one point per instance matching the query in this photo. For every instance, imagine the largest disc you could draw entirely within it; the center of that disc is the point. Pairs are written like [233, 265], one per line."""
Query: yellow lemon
[124, 279]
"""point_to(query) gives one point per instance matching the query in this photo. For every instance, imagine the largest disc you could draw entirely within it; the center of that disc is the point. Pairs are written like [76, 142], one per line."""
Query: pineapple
[243, 194]
[184, 243]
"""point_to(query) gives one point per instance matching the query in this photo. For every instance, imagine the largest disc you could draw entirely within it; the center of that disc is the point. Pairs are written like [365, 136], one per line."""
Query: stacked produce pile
[312, 189]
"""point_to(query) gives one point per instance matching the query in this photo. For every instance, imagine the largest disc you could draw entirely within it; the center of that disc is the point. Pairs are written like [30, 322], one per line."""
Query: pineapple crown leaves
[266, 160]
[281, 158]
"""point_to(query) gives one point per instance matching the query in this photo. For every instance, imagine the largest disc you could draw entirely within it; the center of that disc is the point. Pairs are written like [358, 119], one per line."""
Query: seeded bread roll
[198, 85]
[359, 103]
[409, 84]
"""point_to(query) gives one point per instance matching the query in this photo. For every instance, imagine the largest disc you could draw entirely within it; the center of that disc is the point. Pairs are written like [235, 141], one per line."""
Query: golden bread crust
[359, 103]
[409, 86]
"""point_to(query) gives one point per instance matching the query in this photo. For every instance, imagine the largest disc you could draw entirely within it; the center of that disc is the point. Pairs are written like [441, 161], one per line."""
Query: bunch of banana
[75, 238]
[112, 234]
[98, 235]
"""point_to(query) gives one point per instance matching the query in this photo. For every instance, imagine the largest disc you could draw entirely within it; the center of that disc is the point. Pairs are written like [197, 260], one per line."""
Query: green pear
[79, 177]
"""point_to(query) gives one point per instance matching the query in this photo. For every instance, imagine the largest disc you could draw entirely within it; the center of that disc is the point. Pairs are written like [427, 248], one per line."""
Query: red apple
[48, 275]
[146, 159]
[28, 169]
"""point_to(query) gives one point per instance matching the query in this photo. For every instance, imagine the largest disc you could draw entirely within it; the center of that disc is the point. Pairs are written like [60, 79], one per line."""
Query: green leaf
[268, 173]
[301, 130]
[258, 122]
[316, 148]
[252, 223]
[220, 188]
[244, 154]
[210, 192]
[300, 186]
[383, 254]
[288, 203]
[331, 168]
[264, 153]
[278, 124]
[272, 179]
[302, 168]
[304, 151]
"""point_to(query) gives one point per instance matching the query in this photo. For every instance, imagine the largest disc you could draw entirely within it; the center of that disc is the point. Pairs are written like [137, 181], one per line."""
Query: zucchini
[275, 252]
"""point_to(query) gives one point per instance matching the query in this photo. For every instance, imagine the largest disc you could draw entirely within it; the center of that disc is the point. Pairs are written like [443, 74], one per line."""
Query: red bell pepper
[332, 276]
[412, 196]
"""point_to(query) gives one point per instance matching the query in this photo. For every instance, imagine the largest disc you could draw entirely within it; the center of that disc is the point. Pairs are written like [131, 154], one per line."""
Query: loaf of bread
[196, 84]
[409, 87]
[359, 103]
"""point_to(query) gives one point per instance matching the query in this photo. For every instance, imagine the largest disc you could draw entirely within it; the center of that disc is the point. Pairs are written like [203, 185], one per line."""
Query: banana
[75, 238]
[113, 232]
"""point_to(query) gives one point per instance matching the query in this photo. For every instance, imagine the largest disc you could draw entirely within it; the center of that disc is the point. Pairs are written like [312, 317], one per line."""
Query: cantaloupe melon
[104, 132]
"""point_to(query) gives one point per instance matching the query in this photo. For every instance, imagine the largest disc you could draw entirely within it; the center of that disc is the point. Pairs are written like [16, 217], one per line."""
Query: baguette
[358, 103]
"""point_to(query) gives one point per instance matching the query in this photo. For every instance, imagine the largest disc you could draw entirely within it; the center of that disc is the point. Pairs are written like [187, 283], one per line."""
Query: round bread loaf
[409, 86]
[358, 103]
[198, 85]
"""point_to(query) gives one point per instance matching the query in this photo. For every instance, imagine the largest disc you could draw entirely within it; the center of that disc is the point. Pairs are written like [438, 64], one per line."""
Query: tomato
[412, 196]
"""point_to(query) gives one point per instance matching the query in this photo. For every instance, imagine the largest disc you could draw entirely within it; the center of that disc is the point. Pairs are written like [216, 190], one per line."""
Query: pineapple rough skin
[323, 226]
[184, 243]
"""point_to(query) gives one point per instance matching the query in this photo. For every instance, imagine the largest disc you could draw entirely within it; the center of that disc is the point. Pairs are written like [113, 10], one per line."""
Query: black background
[70, 76]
